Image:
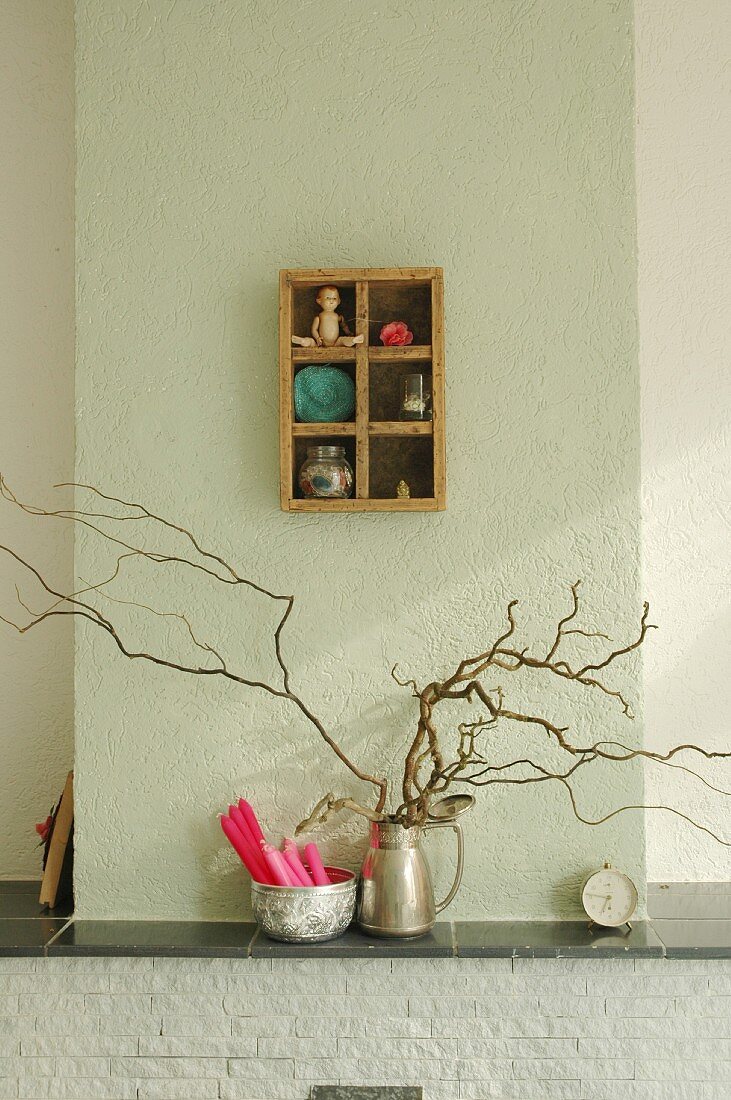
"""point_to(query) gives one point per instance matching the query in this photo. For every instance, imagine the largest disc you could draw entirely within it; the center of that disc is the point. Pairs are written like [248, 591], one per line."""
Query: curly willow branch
[76, 606]
[429, 768]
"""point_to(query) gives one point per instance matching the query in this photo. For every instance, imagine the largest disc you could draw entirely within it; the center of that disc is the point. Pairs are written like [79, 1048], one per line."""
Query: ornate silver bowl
[306, 914]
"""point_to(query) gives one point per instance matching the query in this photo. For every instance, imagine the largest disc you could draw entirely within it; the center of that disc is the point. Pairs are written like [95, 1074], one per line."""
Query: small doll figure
[403, 492]
[326, 326]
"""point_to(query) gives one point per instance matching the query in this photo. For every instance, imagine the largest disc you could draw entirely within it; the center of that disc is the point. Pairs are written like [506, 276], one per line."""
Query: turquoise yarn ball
[323, 394]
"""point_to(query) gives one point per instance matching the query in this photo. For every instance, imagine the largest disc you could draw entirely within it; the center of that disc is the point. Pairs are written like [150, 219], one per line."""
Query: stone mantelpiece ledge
[25, 929]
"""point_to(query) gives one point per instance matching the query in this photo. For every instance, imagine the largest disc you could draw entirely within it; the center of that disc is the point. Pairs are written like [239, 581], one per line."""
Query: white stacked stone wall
[477, 1029]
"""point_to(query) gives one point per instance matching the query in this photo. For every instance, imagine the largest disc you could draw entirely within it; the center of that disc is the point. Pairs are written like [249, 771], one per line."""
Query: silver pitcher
[396, 896]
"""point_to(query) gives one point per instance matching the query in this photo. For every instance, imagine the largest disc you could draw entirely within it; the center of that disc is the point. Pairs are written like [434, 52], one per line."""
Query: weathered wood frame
[362, 429]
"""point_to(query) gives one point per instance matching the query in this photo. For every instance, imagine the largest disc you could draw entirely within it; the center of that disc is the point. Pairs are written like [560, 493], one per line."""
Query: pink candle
[278, 867]
[240, 845]
[251, 821]
[294, 862]
[239, 820]
[319, 874]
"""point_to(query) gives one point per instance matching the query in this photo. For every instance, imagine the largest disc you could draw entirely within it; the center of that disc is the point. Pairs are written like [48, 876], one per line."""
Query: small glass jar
[415, 398]
[326, 474]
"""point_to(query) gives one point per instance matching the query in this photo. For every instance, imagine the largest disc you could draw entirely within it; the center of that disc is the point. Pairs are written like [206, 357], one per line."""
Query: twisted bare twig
[429, 767]
[71, 604]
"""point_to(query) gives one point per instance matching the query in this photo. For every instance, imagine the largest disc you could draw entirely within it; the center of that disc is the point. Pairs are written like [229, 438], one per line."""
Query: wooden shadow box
[382, 449]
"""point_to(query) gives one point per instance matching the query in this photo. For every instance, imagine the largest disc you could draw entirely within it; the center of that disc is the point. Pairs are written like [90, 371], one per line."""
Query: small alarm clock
[609, 897]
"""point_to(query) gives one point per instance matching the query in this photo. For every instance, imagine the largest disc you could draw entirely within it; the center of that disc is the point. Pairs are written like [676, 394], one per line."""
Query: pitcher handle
[460, 858]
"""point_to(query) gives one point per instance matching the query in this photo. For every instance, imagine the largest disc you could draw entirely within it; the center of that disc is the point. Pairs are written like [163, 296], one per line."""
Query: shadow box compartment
[396, 458]
[385, 388]
[300, 426]
[305, 309]
[410, 302]
[300, 454]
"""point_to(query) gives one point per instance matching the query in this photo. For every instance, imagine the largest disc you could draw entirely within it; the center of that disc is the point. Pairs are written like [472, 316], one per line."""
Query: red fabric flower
[396, 334]
[43, 827]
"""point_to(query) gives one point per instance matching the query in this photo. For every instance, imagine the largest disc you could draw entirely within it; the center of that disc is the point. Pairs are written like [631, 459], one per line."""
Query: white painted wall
[206, 162]
[683, 163]
[36, 407]
[682, 173]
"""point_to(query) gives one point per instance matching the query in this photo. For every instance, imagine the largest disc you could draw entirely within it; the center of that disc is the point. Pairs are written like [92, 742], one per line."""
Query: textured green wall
[219, 142]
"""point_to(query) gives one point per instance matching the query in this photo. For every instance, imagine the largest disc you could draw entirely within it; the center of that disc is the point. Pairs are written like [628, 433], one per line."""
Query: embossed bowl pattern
[306, 914]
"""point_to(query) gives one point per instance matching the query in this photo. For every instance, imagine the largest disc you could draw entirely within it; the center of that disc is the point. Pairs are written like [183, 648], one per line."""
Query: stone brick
[169, 1067]
[92, 964]
[654, 1090]
[507, 1006]
[542, 985]
[432, 1089]
[198, 1025]
[213, 1046]
[496, 1027]
[516, 1048]
[265, 1069]
[82, 1067]
[648, 985]
[676, 1070]
[84, 1024]
[412, 1050]
[315, 1027]
[421, 983]
[640, 1006]
[523, 1090]
[38, 1004]
[106, 1004]
[30, 1067]
[62, 984]
[258, 1089]
[668, 1048]
[265, 1026]
[313, 1006]
[79, 1046]
[719, 985]
[483, 1069]
[414, 1027]
[301, 1048]
[16, 1025]
[443, 969]
[376, 969]
[188, 1089]
[656, 1027]
[545, 1069]
[441, 1006]
[177, 1004]
[682, 967]
[704, 1006]
[266, 984]
[526, 968]
[204, 968]
[386, 1071]
[144, 1023]
[75, 1088]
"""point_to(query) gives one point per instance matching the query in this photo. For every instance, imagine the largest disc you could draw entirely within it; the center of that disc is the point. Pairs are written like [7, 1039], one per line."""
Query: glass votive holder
[415, 398]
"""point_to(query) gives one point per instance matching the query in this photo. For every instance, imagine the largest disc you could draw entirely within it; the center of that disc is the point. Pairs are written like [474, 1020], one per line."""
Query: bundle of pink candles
[263, 861]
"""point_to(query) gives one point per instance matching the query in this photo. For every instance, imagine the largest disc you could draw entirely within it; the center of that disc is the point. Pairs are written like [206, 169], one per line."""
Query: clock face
[609, 897]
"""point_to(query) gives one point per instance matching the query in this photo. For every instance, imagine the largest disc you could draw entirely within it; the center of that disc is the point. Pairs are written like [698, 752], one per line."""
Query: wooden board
[382, 449]
[62, 825]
